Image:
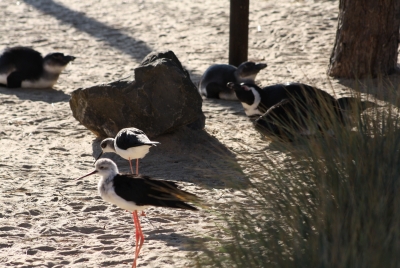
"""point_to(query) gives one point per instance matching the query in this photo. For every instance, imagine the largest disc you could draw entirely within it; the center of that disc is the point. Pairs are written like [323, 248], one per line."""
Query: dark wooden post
[238, 32]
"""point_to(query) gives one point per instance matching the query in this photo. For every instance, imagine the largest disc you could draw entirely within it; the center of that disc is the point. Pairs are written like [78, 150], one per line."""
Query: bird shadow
[46, 95]
[176, 240]
[187, 155]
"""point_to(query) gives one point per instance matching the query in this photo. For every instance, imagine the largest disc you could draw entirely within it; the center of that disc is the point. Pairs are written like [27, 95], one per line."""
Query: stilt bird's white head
[107, 146]
[105, 168]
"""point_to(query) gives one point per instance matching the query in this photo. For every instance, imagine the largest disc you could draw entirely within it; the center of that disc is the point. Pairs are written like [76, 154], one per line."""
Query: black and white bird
[213, 81]
[136, 193]
[130, 143]
[25, 67]
[256, 101]
[292, 109]
[288, 120]
[289, 110]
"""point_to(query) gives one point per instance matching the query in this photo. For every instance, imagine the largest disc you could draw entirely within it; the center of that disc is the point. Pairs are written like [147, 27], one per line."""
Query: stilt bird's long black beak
[98, 157]
[91, 173]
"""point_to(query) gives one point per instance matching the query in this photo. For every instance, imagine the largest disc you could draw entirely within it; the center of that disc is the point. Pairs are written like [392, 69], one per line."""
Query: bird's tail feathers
[172, 193]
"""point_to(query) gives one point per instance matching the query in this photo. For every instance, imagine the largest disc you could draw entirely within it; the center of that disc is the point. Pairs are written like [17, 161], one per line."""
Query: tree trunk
[367, 39]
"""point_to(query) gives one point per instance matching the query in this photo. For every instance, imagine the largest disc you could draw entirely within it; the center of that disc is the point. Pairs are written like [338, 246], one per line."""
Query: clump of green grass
[334, 202]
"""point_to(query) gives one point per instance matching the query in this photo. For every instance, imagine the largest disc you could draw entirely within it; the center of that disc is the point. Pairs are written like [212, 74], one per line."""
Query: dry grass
[332, 203]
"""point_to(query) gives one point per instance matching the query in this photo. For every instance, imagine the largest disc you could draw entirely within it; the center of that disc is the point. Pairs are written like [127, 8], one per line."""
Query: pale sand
[49, 220]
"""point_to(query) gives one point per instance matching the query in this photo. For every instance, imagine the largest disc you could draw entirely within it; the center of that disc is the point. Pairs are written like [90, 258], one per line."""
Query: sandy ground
[47, 219]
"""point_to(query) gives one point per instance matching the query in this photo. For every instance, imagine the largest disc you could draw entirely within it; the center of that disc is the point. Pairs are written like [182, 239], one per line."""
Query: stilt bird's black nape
[145, 191]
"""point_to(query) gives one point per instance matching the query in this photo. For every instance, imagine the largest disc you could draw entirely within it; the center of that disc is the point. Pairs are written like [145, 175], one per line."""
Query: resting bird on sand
[213, 81]
[25, 67]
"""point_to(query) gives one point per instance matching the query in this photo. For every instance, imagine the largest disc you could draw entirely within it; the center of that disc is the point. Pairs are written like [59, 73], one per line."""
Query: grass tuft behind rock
[333, 202]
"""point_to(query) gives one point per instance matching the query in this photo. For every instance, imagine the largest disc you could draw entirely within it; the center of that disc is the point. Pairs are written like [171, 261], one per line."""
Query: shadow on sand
[189, 156]
[46, 95]
[137, 48]
[382, 88]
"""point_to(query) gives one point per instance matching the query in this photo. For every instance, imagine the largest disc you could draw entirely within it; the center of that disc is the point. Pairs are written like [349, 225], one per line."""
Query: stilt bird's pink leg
[130, 163]
[140, 234]
[137, 166]
[137, 239]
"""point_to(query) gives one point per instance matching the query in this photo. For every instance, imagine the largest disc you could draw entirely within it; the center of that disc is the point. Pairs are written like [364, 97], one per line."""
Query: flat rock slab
[160, 99]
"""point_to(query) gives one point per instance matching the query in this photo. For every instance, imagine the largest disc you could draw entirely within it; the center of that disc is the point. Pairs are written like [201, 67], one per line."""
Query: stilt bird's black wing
[132, 137]
[144, 191]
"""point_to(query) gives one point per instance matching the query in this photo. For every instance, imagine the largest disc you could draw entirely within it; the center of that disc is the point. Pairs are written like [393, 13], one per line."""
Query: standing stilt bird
[130, 143]
[136, 193]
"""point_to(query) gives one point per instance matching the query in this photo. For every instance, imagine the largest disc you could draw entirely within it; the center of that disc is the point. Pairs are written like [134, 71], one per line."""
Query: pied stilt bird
[130, 143]
[136, 193]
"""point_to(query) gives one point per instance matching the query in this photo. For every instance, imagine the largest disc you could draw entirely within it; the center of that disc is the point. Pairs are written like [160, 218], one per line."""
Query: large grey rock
[160, 99]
